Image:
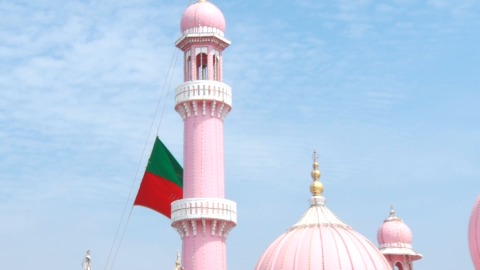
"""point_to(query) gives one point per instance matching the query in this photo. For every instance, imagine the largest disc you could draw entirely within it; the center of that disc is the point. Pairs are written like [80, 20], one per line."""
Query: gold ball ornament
[316, 188]
[315, 174]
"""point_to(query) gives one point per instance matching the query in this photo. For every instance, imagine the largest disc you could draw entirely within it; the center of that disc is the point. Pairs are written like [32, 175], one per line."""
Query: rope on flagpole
[170, 73]
[166, 95]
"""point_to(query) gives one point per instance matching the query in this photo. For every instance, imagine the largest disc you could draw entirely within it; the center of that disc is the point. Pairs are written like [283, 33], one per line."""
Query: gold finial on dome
[316, 188]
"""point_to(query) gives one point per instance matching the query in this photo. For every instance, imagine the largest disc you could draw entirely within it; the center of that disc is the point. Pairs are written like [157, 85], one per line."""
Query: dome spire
[316, 188]
[320, 240]
[393, 215]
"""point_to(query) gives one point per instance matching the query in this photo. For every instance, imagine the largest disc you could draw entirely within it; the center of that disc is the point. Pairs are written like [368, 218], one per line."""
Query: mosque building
[204, 218]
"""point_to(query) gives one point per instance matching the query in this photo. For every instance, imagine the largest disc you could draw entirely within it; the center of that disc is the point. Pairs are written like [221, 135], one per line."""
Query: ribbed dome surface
[395, 237]
[474, 234]
[394, 232]
[202, 16]
[319, 240]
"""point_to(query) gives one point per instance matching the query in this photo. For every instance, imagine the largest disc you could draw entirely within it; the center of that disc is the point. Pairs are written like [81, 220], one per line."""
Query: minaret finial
[392, 210]
[316, 188]
[178, 263]
[86, 262]
[393, 215]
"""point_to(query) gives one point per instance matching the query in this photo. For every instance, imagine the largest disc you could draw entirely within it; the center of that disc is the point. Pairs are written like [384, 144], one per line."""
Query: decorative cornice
[194, 227]
[204, 208]
[187, 109]
[401, 251]
[195, 109]
[214, 104]
[220, 213]
[198, 35]
[395, 245]
[203, 29]
[203, 90]
[214, 226]
[191, 109]
[208, 92]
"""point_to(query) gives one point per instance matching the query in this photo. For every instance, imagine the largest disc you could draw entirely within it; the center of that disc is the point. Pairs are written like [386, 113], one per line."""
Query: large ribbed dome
[395, 237]
[474, 234]
[319, 240]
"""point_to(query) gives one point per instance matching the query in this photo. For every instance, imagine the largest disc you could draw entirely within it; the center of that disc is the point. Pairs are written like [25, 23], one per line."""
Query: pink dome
[321, 241]
[394, 232]
[474, 234]
[395, 237]
[203, 16]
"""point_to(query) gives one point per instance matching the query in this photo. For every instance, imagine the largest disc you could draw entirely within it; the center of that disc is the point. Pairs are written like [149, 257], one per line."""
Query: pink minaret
[474, 234]
[395, 239]
[203, 218]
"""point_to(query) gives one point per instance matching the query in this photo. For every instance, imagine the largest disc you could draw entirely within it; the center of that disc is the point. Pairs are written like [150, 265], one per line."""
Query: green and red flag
[163, 181]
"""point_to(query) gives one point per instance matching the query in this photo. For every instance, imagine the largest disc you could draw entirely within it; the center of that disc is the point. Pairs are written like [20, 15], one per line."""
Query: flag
[162, 182]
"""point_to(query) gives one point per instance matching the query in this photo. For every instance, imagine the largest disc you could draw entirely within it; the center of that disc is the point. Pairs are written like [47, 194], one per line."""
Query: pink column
[203, 157]
[203, 218]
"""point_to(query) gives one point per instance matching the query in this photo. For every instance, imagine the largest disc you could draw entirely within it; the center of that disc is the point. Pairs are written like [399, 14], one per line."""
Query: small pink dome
[321, 241]
[474, 234]
[395, 238]
[202, 14]
[394, 232]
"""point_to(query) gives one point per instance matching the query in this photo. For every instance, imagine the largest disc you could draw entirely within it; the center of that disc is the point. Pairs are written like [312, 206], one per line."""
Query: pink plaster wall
[405, 261]
[203, 156]
[204, 252]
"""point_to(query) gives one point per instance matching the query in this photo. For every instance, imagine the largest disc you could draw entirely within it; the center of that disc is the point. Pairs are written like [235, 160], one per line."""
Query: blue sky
[386, 91]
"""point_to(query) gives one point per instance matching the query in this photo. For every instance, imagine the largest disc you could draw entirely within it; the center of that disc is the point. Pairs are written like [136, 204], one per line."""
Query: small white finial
[178, 262]
[86, 262]
[392, 211]
[393, 215]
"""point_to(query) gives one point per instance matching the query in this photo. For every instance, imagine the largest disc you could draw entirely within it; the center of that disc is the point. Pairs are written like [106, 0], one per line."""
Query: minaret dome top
[394, 231]
[202, 16]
